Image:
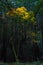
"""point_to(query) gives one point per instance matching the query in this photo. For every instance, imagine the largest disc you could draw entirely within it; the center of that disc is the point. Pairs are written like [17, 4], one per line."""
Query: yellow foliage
[21, 9]
[33, 40]
[33, 19]
[26, 15]
[11, 13]
[33, 33]
[24, 8]
[22, 12]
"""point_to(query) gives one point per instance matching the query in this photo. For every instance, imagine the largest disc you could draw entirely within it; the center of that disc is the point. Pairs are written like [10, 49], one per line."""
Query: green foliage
[41, 11]
[21, 22]
[6, 5]
[38, 7]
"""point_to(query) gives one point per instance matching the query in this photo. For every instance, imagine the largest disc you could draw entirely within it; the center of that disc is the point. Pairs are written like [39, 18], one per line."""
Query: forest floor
[32, 63]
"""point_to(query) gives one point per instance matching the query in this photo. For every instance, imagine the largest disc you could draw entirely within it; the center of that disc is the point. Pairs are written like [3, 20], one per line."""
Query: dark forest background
[21, 40]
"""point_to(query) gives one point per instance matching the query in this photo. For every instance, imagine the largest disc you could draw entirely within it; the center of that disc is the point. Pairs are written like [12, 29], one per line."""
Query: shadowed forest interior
[21, 30]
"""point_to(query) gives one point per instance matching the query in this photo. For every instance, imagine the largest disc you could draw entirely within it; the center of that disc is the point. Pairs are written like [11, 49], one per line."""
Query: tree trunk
[42, 37]
[4, 42]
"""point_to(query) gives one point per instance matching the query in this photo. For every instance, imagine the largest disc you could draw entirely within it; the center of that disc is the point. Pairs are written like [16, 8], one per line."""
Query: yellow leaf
[33, 19]
[23, 13]
[33, 40]
[21, 9]
[33, 33]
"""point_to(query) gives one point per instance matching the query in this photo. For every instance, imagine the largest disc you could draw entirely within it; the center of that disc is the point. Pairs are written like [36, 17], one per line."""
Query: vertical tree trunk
[42, 37]
[4, 42]
[14, 42]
